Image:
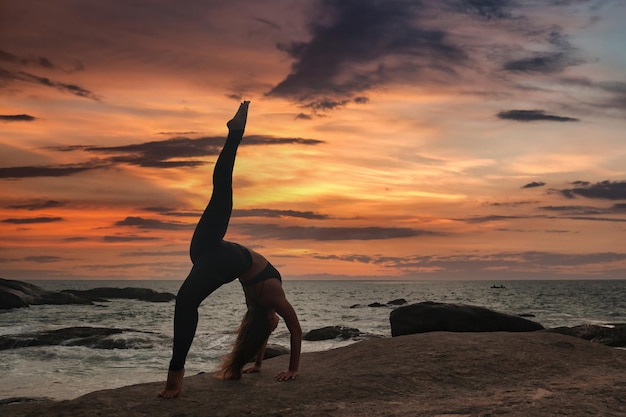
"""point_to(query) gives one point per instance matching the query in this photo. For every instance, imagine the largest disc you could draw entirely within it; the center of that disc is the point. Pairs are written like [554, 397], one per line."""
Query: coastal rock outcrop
[332, 332]
[15, 294]
[536, 374]
[614, 336]
[92, 337]
[273, 350]
[132, 293]
[430, 316]
[376, 304]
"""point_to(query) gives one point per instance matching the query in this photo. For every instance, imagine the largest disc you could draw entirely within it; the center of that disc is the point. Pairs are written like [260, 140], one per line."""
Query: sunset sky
[452, 139]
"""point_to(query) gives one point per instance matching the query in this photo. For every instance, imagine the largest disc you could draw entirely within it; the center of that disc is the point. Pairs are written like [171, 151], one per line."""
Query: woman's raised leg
[213, 224]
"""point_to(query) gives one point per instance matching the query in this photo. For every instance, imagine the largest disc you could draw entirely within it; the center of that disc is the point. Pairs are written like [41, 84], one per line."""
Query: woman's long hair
[254, 330]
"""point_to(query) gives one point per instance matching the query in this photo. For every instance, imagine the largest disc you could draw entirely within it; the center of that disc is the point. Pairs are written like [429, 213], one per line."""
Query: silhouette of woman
[217, 262]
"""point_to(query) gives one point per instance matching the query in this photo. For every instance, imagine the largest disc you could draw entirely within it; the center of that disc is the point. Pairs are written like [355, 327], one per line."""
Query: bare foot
[174, 384]
[238, 122]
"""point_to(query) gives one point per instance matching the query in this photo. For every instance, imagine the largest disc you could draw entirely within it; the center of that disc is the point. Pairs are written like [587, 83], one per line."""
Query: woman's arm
[258, 362]
[276, 299]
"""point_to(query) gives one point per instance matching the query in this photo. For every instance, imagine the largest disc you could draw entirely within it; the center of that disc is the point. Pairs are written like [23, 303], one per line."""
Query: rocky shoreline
[429, 374]
[404, 319]
[444, 360]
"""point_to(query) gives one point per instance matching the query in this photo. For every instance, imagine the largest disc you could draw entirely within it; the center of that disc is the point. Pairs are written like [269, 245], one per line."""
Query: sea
[66, 372]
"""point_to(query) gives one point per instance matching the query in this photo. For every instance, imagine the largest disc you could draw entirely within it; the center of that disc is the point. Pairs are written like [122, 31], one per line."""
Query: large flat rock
[430, 374]
[430, 316]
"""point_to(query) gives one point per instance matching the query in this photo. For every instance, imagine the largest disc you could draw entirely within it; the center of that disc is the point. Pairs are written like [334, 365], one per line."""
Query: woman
[217, 262]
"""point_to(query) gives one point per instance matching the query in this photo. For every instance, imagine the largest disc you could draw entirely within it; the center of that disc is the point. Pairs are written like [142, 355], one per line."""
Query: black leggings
[215, 261]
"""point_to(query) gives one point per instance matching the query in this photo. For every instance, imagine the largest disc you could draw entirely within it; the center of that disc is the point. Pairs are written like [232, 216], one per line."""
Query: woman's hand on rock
[286, 375]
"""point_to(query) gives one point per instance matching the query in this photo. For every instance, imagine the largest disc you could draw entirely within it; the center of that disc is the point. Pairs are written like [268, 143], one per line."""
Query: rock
[105, 293]
[23, 400]
[430, 317]
[526, 315]
[614, 336]
[332, 332]
[273, 350]
[14, 294]
[92, 337]
[376, 304]
[536, 374]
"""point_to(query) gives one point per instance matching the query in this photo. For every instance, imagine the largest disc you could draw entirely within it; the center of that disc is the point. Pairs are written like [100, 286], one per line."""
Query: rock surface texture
[537, 374]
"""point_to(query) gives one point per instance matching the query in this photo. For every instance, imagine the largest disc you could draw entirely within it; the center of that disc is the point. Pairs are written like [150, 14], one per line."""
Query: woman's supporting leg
[198, 286]
[213, 224]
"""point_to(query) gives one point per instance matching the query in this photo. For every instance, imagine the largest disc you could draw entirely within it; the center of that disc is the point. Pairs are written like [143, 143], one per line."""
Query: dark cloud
[122, 239]
[271, 140]
[37, 205]
[46, 171]
[326, 104]
[547, 63]
[365, 259]
[278, 213]
[466, 265]
[606, 190]
[511, 203]
[534, 184]
[533, 116]
[38, 259]
[64, 87]
[7, 57]
[17, 64]
[179, 151]
[267, 23]
[330, 104]
[596, 219]
[585, 213]
[486, 9]
[153, 224]
[170, 153]
[357, 45]
[178, 133]
[43, 259]
[41, 62]
[156, 254]
[615, 91]
[303, 116]
[562, 57]
[490, 218]
[16, 118]
[168, 211]
[619, 208]
[581, 210]
[273, 231]
[33, 220]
